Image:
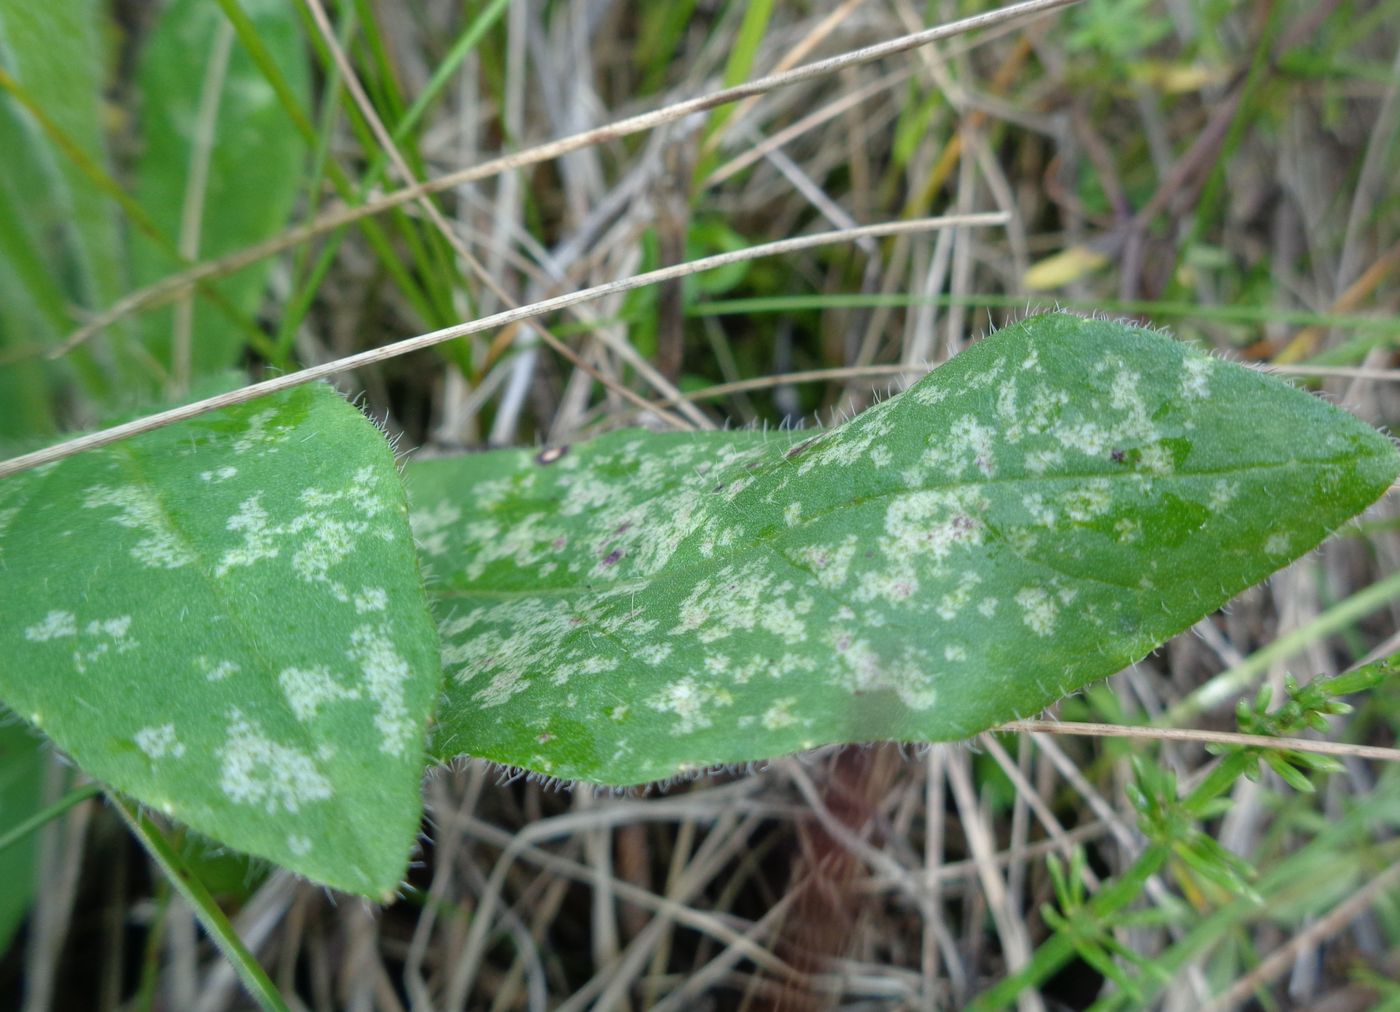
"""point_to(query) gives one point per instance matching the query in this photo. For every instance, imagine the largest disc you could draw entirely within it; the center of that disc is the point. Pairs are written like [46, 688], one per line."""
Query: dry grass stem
[253, 391]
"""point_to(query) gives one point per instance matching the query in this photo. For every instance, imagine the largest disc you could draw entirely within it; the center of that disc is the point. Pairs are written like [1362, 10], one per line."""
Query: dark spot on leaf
[612, 557]
[719, 487]
[622, 527]
[544, 738]
[800, 447]
[560, 542]
[551, 455]
[1118, 456]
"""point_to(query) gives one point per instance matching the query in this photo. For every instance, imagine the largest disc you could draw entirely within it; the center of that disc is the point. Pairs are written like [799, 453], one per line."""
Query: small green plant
[1221, 890]
[225, 620]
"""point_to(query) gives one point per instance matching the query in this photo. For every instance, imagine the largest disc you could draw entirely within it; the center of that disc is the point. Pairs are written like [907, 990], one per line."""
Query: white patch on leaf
[864, 669]
[159, 742]
[56, 624]
[139, 510]
[829, 563]
[653, 653]
[1195, 377]
[1128, 529]
[931, 524]
[430, 526]
[1089, 501]
[325, 534]
[689, 702]
[385, 677]
[217, 671]
[1157, 459]
[263, 433]
[951, 603]
[266, 774]
[1039, 610]
[94, 640]
[1222, 494]
[1040, 460]
[368, 599]
[251, 521]
[780, 715]
[741, 599]
[306, 690]
[970, 445]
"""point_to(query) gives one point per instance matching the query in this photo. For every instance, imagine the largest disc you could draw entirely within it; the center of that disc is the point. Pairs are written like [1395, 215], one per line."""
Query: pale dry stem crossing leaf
[1038, 513]
[224, 619]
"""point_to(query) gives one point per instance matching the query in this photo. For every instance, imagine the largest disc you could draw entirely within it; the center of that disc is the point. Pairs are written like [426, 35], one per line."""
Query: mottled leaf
[1035, 515]
[225, 620]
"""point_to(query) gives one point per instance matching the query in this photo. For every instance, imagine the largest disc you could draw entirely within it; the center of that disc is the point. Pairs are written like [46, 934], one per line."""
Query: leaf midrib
[128, 456]
[764, 540]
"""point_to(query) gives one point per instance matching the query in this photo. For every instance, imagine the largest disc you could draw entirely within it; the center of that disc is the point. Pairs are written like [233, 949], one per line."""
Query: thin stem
[36, 821]
[1206, 737]
[150, 423]
[167, 288]
[213, 920]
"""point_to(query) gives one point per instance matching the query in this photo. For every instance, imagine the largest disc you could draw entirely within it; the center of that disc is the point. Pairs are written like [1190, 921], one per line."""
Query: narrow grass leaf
[224, 620]
[21, 768]
[59, 245]
[221, 163]
[54, 52]
[1035, 515]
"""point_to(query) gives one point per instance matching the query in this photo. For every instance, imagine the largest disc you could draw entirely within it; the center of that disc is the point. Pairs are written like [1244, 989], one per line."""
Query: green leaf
[244, 150]
[1035, 515]
[21, 795]
[224, 619]
[59, 243]
[54, 52]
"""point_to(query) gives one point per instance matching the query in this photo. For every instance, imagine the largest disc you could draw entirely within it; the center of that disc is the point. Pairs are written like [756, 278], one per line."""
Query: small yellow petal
[1063, 267]
[1180, 78]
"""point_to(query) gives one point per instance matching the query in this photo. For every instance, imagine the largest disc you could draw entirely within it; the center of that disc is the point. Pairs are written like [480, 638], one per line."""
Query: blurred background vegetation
[1223, 168]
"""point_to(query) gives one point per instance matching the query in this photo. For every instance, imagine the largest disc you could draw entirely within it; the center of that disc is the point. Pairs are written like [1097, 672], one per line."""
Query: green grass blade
[742, 57]
[21, 769]
[220, 166]
[54, 51]
[211, 918]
